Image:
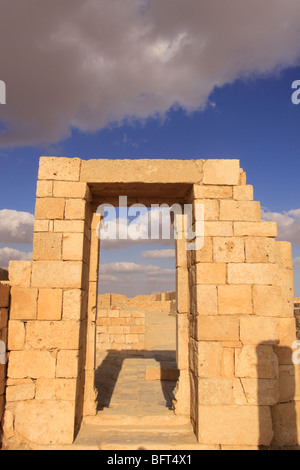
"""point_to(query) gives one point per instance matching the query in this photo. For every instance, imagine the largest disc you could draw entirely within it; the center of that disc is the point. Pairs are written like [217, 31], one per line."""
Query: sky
[171, 79]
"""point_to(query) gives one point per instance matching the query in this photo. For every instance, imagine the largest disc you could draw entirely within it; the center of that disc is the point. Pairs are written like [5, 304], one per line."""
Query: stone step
[119, 421]
[137, 438]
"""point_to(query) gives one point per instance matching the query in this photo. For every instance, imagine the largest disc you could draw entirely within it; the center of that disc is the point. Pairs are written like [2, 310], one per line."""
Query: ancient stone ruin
[237, 385]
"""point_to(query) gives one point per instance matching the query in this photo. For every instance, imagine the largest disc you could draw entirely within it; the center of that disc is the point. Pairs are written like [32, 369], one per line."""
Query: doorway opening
[136, 369]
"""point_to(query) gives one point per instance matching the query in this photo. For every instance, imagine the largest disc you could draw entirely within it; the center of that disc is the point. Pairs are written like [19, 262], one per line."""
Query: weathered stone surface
[229, 250]
[255, 330]
[47, 246]
[256, 273]
[235, 299]
[256, 362]
[255, 229]
[245, 211]
[34, 364]
[20, 392]
[16, 336]
[49, 208]
[62, 169]
[67, 364]
[144, 171]
[42, 423]
[225, 329]
[23, 303]
[57, 274]
[221, 172]
[20, 273]
[267, 301]
[53, 335]
[50, 304]
[235, 425]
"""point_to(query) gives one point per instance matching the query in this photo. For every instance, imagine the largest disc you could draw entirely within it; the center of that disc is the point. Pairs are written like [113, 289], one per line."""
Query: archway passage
[235, 319]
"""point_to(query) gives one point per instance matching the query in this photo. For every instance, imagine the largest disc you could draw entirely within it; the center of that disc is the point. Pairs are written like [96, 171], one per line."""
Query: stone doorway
[235, 318]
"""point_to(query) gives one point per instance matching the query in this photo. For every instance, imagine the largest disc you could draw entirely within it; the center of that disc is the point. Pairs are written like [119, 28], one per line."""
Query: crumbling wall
[163, 302]
[4, 304]
[120, 329]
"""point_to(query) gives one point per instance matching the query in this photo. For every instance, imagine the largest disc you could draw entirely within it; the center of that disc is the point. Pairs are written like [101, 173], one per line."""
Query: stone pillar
[47, 329]
[241, 318]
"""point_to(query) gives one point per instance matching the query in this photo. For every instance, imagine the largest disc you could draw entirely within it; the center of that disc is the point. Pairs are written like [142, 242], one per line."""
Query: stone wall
[4, 304]
[297, 315]
[120, 329]
[162, 302]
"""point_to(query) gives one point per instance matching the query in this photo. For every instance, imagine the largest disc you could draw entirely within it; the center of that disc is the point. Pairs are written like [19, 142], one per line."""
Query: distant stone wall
[120, 329]
[297, 315]
[162, 302]
[4, 304]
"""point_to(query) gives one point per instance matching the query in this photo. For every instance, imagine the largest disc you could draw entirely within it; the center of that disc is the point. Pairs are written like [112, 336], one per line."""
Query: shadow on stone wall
[276, 390]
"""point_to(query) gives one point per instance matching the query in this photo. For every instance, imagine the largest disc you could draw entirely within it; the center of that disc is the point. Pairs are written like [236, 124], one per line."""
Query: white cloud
[16, 227]
[10, 254]
[100, 62]
[288, 224]
[132, 278]
[149, 254]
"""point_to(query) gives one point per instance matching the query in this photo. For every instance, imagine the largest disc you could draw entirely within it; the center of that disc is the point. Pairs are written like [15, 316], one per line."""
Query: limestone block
[254, 330]
[75, 209]
[206, 358]
[287, 331]
[205, 300]
[50, 304]
[229, 250]
[70, 189]
[42, 423]
[255, 229]
[56, 389]
[211, 273]
[67, 364]
[182, 338]
[283, 253]
[34, 364]
[285, 424]
[256, 362]
[69, 226]
[4, 295]
[212, 192]
[258, 273]
[143, 171]
[260, 250]
[23, 303]
[41, 226]
[235, 299]
[243, 193]
[47, 246]
[20, 392]
[261, 391]
[59, 168]
[221, 172]
[225, 329]
[228, 363]
[215, 391]
[49, 208]
[44, 189]
[183, 294]
[16, 336]
[57, 274]
[211, 208]
[287, 383]
[53, 335]
[72, 301]
[73, 244]
[245, 211]
[218, 229]
[235, 425]
[203, 255]
[20, 273]
[267, 301]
